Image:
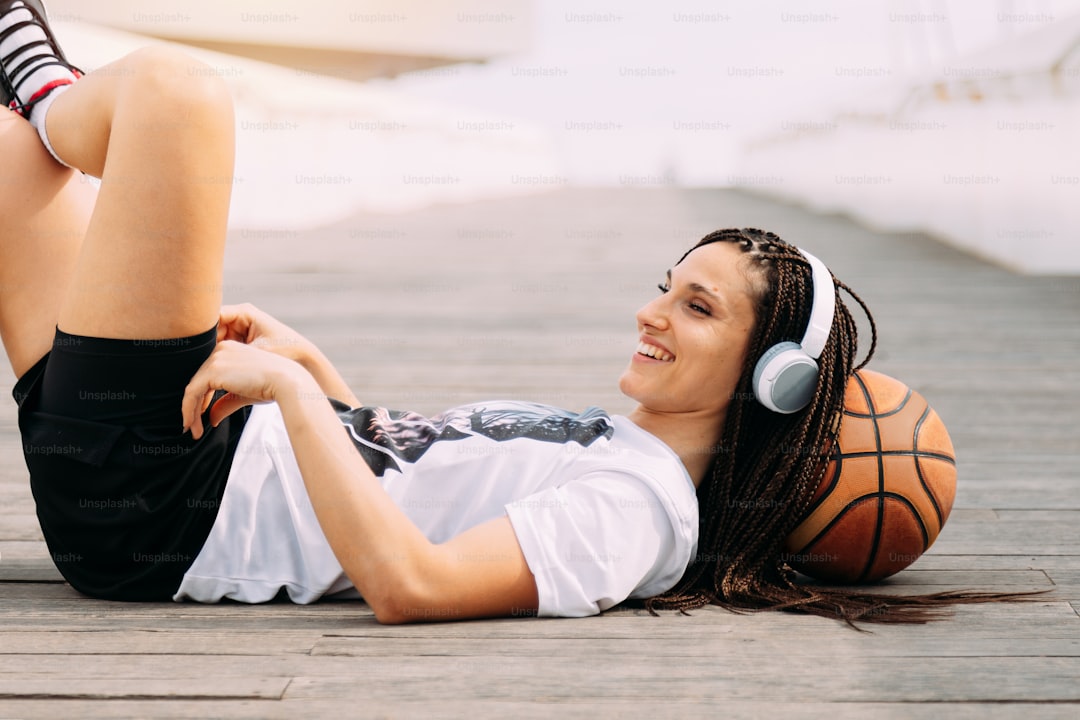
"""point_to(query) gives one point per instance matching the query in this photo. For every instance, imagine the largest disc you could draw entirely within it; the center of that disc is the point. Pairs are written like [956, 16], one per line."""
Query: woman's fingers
[247, 324]
[197, 396]
[235, 322]
[199, 392]
[249, 374]
[250, 325]
[226, 405]
[192, 419]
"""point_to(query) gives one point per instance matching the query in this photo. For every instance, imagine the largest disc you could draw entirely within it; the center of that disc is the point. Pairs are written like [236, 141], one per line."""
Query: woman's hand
[249, 374]
[248, 324]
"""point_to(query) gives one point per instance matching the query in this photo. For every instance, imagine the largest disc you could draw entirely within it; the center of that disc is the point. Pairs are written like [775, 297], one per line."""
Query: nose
[654, 313]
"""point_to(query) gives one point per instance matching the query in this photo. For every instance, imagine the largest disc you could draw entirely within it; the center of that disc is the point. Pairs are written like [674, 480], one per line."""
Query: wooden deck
[534, 298]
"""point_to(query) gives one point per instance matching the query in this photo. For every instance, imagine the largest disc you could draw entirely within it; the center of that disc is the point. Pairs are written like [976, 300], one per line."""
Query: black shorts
[125, 500]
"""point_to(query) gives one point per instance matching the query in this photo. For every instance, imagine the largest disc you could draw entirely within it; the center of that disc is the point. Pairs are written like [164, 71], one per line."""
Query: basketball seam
[902, 453]
[918, 467]
[855, 502]
[873, 413]
[914, 514]
[875, 545]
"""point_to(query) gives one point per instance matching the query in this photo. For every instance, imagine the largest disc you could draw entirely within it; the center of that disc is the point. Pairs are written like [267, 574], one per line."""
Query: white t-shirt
[603, 510]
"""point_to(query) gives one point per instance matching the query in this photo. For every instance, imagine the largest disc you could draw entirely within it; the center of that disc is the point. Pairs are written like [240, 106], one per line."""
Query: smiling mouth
[654, 352]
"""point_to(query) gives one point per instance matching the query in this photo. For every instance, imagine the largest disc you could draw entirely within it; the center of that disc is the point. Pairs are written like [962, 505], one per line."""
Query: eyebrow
[709, 294]
[699, 288]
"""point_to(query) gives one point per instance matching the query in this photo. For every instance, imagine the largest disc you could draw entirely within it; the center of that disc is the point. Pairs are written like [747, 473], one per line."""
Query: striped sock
[35, 71]
[33, 65]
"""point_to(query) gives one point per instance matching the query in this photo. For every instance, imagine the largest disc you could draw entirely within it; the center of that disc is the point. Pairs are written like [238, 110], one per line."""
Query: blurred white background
[679, 86]
[956, 117]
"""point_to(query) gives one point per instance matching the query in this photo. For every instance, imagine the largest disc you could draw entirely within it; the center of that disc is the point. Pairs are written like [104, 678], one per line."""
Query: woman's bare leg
[45, 209]
[157, 127]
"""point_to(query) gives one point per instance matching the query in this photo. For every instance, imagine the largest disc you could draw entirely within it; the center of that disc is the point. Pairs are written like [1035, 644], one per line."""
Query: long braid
[768, 465]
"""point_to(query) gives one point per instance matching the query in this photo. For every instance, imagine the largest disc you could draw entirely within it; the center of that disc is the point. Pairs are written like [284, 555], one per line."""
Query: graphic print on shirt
[383, 436]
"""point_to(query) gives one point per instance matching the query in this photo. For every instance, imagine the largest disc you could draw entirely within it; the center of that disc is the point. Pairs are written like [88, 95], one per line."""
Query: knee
[166, 80]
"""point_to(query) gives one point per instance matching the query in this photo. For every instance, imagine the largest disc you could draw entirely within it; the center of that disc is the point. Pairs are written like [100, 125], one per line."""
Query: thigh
[44, 211]
[159, 129]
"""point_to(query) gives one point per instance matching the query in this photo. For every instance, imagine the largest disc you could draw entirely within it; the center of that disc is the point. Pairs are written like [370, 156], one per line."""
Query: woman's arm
[326, 375]
[401, 574]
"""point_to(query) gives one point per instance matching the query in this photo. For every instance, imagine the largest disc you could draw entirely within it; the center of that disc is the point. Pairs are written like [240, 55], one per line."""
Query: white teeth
[654, 352]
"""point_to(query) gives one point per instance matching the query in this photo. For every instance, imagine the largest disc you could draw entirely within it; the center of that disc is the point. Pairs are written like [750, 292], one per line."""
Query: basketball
[887, 490]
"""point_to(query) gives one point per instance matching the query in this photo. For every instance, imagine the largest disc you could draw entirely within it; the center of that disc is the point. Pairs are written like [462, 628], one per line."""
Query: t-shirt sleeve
[602, 538]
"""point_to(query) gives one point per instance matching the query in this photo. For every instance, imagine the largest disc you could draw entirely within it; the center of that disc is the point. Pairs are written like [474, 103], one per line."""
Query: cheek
[727, 364]
[723, 379]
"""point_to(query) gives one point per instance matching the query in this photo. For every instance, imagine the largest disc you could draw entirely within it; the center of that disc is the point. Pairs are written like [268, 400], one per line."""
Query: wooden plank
[20, 528]
[934, 560]
[973, 515]
[24, 550]
[1016, 539]
[141, 641]
[87, 613]
[479, 655]
[835, 679]
[15, 500]
[36, 571]
[913, 581]
[346, 617]
[77, 685]
[569, 710]
[1044, 493]
[1065, 578]
[27, 561]
[1024, 620]
[559, 678]
[1036, 517]
[964, 577]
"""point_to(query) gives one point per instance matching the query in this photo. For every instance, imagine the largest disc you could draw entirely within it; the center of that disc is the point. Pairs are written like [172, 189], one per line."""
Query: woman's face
[693, 337]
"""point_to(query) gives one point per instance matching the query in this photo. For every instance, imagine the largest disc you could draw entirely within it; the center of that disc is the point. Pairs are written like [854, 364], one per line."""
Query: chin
[627, 385]
[637, 388]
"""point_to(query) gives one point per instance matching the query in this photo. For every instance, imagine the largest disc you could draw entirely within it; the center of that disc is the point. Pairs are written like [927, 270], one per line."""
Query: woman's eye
[664, 287]
[699, 308]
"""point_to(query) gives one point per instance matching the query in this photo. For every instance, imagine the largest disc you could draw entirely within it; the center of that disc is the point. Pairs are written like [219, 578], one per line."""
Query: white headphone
[785, 377]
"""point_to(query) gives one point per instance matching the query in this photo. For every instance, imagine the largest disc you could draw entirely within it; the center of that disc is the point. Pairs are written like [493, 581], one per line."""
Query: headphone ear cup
[785, 378]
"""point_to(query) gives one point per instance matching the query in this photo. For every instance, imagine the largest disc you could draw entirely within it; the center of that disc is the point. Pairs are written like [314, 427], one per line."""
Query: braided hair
[768, 465]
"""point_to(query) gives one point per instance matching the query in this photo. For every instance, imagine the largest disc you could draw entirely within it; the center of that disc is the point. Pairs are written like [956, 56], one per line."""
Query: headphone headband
[821, 314]
[786, 375]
